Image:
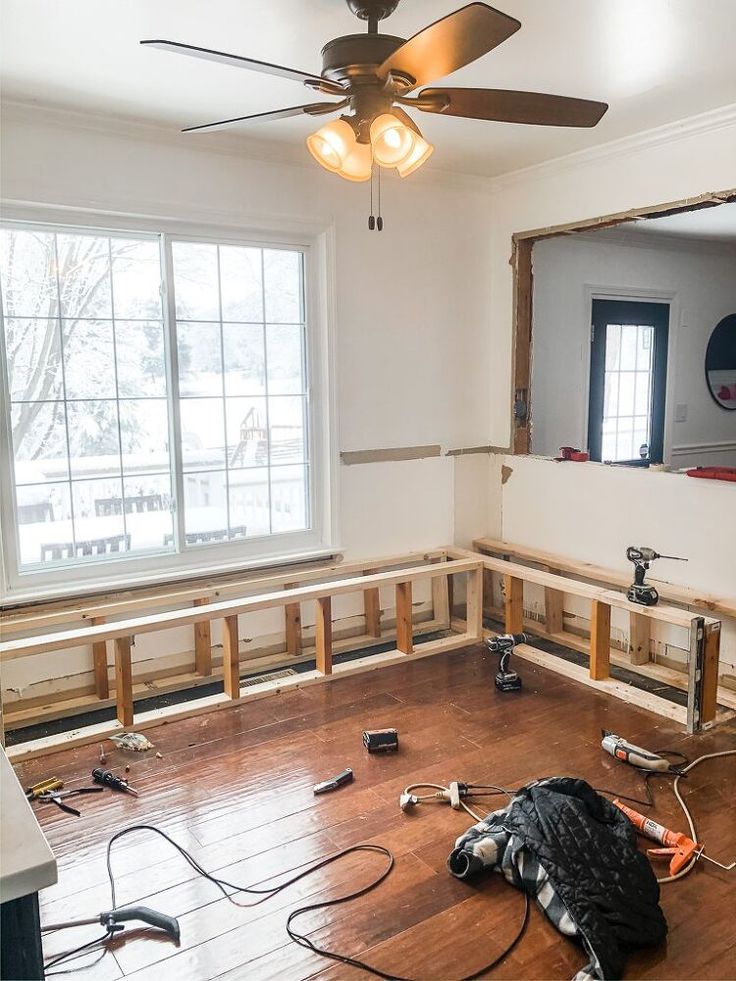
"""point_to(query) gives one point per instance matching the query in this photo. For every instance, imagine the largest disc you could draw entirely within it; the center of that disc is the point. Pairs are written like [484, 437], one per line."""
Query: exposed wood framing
[214, 703]
[709, 700]
[724, 606]
[513, 591]
[202, 643]
[404, 629]
[554, 602]
[293, 625]
[668, 677]
[372, 608]
[231, 656]
[600, 641]
[640, 635]
[324, 635]
[99, 660]
[521, 261]
[124, 681]
[228, 612]
[602, 600]
[46, 616]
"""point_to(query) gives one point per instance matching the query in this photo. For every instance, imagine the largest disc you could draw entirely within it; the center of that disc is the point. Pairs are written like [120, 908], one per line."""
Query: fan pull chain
[373, 221]
[371, 217]
[379, 220]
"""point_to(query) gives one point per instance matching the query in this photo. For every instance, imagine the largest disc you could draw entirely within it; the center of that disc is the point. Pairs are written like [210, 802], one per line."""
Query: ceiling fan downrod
[373, 11]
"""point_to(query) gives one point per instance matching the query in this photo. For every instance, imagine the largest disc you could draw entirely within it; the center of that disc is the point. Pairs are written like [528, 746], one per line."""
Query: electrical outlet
[681, 412]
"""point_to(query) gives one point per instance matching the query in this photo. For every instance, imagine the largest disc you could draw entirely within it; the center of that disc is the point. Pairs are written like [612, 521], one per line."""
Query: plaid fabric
[487, 845]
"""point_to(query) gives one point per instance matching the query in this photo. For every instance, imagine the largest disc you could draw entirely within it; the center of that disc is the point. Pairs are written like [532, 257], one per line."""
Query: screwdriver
[108, 779]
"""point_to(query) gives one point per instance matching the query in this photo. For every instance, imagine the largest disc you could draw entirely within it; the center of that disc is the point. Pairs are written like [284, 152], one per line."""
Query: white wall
[585, 510]
[701, 281]
[411, 303]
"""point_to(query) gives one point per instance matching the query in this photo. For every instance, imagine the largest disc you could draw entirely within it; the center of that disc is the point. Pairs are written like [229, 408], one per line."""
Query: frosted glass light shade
[420, 152]
[358, 164]
[332, 144]
[392, 140]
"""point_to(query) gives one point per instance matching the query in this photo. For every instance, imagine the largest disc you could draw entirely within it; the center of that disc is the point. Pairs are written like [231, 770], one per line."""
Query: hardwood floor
[235, 788]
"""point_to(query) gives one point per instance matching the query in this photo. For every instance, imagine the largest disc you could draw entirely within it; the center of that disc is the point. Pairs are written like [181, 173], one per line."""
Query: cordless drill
[639, 591]
[504, 644]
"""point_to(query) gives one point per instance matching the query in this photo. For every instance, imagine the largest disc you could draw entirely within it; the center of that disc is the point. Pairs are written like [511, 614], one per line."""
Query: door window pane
[627, 386]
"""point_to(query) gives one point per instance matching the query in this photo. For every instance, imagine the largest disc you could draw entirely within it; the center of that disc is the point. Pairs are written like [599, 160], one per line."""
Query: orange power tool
[678, 845]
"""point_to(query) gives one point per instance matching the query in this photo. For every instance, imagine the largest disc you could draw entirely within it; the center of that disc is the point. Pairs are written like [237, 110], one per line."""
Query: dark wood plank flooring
[235, 788]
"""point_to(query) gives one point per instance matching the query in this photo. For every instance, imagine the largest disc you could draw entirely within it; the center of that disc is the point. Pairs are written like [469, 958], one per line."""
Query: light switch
[681, 412]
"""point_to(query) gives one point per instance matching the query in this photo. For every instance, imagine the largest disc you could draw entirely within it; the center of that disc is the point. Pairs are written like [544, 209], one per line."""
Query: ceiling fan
[373, 75]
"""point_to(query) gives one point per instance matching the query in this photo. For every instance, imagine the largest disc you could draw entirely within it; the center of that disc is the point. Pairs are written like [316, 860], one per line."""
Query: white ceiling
[716, 224]
[654, 61]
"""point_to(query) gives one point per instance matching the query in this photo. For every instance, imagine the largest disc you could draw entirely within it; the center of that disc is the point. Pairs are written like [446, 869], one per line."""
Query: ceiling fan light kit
[374, 75]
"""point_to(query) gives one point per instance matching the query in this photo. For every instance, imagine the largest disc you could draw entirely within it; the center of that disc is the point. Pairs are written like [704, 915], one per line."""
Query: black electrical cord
[223, 885]
[304, 941]
[486, 790]
[77, 952]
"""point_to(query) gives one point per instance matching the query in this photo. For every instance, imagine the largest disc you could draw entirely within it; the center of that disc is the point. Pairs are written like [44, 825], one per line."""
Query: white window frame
[317, 246]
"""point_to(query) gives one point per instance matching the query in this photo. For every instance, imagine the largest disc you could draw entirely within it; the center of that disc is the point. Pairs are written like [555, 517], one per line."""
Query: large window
[156, 397]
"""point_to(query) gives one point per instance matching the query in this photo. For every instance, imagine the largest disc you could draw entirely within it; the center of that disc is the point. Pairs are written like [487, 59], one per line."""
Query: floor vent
[271, 676]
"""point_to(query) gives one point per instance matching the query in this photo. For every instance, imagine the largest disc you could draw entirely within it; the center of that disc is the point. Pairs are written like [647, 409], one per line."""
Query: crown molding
[221, 144]
[682, 129]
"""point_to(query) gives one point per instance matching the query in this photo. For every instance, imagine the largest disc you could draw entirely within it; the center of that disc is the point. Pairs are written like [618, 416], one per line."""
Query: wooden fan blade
[450, 43]
[312, 109]
[251, 64]
[508, 106]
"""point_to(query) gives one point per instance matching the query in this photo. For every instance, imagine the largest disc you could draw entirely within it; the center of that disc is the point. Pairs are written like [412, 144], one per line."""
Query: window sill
[29, 595]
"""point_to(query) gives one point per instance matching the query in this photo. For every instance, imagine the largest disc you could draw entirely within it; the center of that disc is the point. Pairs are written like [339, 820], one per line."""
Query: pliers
[56, 797]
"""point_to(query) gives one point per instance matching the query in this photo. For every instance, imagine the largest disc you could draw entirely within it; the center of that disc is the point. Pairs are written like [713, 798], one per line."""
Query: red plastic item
[713, 473]
[579, 456]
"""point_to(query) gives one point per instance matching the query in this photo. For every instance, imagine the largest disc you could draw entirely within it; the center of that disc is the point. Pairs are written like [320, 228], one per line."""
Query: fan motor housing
[348, 58]
[369, 9]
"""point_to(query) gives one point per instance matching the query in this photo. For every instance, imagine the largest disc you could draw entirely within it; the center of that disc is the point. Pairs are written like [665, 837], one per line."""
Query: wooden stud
[202, 643]
[522, 318]
[640, 634]
[372, 608]
[23, 647]
[293, 626]
[323, 635]
[441, 599]
[124, 681]
[404, 632]
[474, 611]
[231, 656]
[600, 641]
[451, 594]
[513, 590]
[554, 602]
[562, 565]
[488, 585]
[709, 698]
[99, 659]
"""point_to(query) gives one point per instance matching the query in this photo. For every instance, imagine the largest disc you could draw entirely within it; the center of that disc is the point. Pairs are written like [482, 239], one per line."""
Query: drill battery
[381, 740]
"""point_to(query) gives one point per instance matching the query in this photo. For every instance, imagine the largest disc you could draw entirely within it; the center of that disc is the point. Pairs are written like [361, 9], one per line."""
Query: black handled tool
[504, 644]
[57, 797]
[108, 779]
[113, 920]
[339, 781]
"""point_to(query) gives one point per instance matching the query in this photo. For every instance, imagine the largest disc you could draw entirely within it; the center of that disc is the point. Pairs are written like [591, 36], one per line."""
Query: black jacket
[587, 846]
